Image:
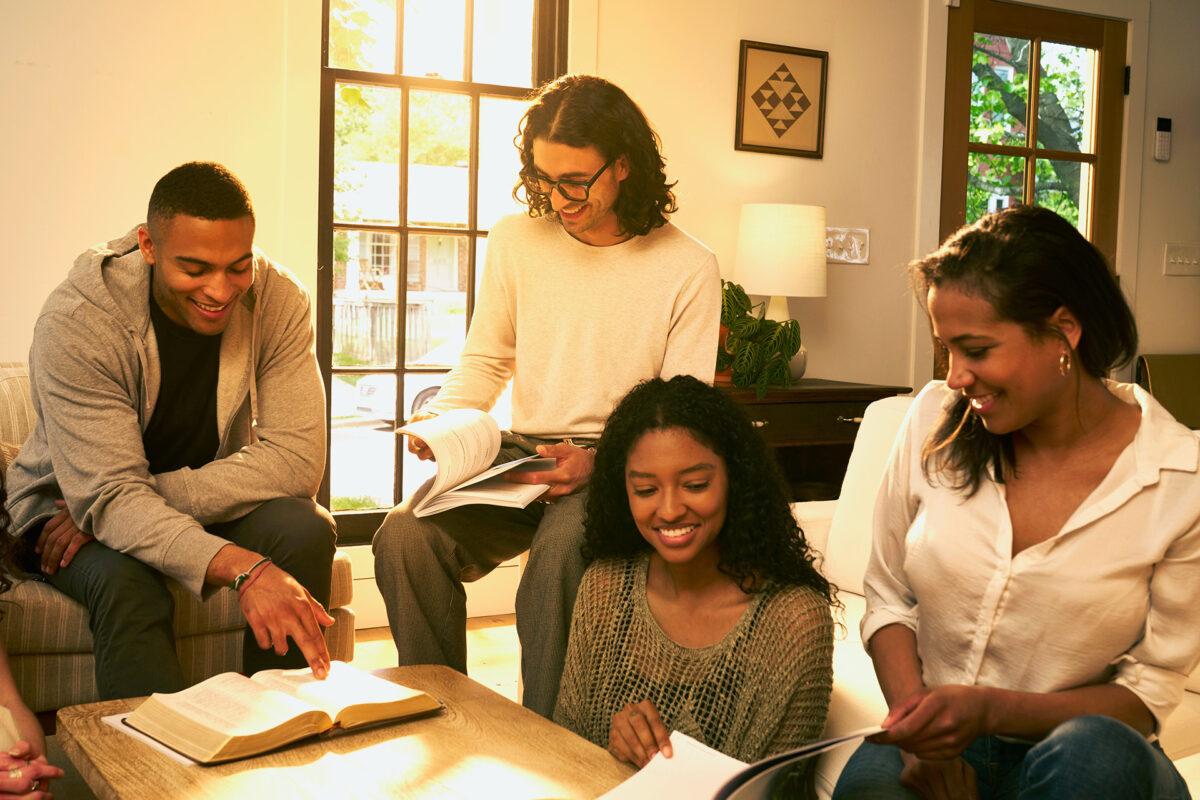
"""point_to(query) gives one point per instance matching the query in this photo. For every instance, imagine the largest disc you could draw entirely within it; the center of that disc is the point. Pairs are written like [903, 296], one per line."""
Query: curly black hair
[760, 538]
[583, 110]
[202, 189]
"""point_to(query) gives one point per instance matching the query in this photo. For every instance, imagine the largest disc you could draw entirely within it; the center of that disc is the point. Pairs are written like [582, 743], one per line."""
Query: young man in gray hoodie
[180, 431]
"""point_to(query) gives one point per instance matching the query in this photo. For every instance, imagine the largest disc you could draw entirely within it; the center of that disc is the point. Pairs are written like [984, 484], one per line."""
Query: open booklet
[695, 770]
[465, 441]
[230, 716]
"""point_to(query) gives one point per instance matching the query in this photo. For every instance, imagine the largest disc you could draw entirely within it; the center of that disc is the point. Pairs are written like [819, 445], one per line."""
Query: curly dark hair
[760, 538]
[1027, 262]
[202, 189]
[583, 110]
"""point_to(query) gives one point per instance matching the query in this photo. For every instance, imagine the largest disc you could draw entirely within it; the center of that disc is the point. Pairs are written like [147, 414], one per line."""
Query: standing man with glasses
[589, 293]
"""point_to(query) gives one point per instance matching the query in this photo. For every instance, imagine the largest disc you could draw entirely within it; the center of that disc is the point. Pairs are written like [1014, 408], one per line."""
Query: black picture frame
[781, 100]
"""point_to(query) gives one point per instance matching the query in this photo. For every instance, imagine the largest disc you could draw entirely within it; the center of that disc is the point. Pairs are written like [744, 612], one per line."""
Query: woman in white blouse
[1033, 594]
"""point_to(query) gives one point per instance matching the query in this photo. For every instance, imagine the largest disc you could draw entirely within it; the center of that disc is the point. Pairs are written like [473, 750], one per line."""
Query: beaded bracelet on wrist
[240, 579]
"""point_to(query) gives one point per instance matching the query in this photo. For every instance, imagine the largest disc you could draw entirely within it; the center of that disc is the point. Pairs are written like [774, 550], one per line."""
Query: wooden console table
[811, 426]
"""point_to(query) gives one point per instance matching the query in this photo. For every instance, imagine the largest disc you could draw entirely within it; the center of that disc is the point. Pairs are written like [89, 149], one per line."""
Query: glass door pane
[499, 161]
[993, 182]
[503, 42]
[999, 89]
[1067, 98]
[361, 442]
[1062, 187]
[437, 299]
[366, 154]
[362, 34]
[366, 267]
[433, 38]
[439, 125]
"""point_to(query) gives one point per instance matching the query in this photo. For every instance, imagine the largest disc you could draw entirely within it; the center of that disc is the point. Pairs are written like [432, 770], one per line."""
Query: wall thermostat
[1162, 139]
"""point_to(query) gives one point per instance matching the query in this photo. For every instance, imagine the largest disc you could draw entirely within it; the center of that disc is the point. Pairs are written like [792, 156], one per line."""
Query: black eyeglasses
[572, 190]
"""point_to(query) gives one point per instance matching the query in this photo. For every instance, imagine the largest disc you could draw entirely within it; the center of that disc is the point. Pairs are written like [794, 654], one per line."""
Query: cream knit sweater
[762, 689]
[577, 326]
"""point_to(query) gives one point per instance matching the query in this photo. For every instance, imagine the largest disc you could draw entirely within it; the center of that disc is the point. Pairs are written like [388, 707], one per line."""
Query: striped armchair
[46, 633]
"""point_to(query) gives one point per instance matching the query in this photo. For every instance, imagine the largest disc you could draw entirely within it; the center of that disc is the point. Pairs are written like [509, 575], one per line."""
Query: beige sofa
[841, 530]
[46, 633]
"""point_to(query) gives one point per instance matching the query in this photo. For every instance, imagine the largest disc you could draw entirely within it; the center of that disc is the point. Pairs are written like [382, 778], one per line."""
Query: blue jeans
[1088, 758]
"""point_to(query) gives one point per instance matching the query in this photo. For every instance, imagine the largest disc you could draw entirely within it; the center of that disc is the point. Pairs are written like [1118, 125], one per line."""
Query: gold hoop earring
[1064, 363]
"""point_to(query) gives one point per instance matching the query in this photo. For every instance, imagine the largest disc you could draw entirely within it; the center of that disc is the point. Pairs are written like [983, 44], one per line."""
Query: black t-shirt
[183, 428]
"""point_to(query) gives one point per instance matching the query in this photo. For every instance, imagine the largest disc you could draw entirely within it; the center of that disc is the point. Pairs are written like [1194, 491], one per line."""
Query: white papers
[698, 771]
[695, 770]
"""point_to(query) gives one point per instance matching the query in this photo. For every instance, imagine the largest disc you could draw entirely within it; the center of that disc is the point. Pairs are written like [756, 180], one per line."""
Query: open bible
[465, 441]
[230, 716]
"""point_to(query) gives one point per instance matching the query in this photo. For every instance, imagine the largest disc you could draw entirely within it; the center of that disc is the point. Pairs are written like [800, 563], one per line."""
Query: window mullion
[469, 41]
[1031, 115]
[398, 67]
[402, 243]
[473, 203]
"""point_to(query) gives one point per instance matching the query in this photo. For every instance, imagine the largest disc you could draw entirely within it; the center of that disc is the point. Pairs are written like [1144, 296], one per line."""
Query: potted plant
[756, 351]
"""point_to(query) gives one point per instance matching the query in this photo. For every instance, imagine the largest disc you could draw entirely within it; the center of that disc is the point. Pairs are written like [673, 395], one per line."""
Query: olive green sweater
[764, 688]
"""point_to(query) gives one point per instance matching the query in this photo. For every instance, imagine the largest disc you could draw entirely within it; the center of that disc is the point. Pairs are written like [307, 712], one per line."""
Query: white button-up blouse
[1113, 597]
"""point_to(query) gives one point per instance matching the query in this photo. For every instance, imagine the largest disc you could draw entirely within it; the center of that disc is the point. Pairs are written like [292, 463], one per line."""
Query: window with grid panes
[420, 101]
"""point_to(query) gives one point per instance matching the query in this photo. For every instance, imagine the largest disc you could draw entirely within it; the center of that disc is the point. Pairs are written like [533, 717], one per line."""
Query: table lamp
[781, 254]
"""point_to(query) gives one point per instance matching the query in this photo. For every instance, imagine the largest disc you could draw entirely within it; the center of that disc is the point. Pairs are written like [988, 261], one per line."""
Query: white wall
[102, 99]
[1168, 307]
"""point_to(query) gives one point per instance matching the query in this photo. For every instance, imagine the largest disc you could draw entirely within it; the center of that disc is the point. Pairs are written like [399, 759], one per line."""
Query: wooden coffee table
[482, 745]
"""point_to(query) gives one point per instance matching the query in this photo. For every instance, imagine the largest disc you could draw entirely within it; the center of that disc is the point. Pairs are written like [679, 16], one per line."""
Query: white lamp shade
[781, 250]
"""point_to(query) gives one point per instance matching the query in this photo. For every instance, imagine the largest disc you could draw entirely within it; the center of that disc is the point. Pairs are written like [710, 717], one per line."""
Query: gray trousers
[421, 565]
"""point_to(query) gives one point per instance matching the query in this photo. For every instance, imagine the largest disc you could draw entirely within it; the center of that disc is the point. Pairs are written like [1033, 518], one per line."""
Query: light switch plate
[847, 245]
[1181, 259]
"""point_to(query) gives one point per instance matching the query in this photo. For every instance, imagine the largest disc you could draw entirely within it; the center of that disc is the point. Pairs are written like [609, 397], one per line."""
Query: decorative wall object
[781, 100]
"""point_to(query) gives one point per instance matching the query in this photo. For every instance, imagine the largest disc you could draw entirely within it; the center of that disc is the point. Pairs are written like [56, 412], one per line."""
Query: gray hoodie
[94, 374]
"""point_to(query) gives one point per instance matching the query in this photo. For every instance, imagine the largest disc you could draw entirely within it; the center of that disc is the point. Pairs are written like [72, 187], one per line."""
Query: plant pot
[723, 377]
[798, 363]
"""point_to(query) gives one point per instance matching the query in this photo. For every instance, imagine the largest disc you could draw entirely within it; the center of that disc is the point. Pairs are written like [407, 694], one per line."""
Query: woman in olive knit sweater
[701, 610]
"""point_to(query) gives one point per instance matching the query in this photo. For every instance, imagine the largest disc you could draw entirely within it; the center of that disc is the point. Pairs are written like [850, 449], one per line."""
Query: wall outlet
[847, 245]
[1181, 259]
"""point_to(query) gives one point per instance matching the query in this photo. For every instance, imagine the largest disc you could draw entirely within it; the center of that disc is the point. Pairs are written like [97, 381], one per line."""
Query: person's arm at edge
[27, 724]
[893, 651]
[28, 754]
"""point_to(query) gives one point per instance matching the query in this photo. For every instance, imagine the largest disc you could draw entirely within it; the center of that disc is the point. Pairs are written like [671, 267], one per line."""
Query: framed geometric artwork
[781, 100]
